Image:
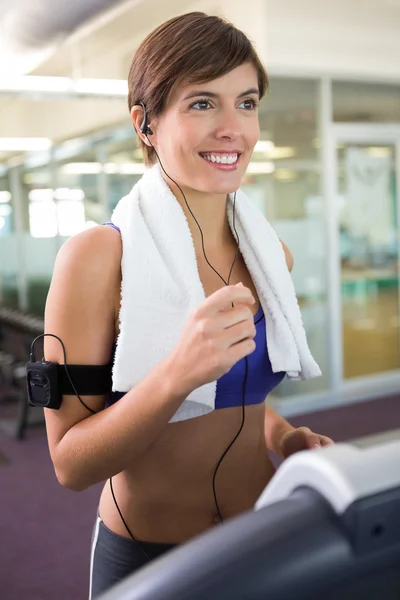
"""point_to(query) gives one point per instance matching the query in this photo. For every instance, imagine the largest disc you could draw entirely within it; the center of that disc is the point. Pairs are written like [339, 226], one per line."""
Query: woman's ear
[137, 116]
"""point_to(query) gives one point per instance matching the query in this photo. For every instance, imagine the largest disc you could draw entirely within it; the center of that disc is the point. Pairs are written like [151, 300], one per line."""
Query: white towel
[161, 287]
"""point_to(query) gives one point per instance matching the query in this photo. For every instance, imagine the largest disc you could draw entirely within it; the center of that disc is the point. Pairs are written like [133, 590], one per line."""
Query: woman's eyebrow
[249, 92]
[209, 94]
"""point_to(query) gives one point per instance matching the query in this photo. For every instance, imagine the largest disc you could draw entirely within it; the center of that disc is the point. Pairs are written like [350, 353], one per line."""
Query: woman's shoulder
[97, 246]
[90, 260]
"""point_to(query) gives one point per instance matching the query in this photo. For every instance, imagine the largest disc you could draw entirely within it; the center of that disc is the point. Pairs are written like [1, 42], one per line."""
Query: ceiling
[86, 49]
[104, 47]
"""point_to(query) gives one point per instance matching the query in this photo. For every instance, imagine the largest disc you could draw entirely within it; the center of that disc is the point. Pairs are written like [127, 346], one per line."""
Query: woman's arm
[285, 440]
[275, 428]
[81, 309]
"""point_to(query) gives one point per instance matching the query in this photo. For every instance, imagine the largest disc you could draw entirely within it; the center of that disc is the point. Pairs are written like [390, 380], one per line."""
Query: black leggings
[114, 557]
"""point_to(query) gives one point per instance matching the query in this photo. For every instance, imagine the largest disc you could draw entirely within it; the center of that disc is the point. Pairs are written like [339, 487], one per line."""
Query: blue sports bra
[260, 378]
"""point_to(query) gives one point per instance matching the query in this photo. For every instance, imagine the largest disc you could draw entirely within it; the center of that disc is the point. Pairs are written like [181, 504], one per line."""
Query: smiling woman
[176, 296]
[204, 138]
[159, 66]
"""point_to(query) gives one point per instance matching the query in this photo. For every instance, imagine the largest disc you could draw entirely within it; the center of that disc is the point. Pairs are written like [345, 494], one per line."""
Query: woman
[194, 87]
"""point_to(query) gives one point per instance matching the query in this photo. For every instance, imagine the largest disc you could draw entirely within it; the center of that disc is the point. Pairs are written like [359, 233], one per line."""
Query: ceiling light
[71, 194]
[35, 83]
[280, 152]
[41, 195]
[260, 167]
[94, 168]
[115, 87]
[64, 85]
[131, 168]
[82, 168]
[5, 197]
[379, 151]
[37, 178]
[264, 146]
[90, 224]
[110, 168]
[24, 144]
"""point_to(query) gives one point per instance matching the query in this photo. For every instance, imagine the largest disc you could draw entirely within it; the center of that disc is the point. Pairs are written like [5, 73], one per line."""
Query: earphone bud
[145, 128]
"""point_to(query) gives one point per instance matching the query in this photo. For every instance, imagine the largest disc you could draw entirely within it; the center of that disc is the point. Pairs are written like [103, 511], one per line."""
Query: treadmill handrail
[340, 473]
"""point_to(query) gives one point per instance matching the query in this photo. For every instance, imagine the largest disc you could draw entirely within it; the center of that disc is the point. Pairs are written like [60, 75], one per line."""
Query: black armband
[47, 382]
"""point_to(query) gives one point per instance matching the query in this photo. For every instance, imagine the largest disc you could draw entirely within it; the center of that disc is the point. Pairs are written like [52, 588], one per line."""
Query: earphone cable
[196, 221]
[124, 522]
[226, 283]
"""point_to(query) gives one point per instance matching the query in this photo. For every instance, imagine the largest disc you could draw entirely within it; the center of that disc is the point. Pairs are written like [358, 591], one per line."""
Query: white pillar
[17, 204]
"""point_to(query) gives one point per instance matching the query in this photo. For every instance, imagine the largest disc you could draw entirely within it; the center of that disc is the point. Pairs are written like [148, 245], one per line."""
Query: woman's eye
[248, 104]
[201, 105]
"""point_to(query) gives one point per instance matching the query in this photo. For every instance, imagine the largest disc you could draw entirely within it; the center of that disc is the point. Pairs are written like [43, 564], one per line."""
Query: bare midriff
[167, 496]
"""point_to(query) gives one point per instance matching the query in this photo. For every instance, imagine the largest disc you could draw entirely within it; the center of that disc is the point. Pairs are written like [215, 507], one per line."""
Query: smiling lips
[225, 160]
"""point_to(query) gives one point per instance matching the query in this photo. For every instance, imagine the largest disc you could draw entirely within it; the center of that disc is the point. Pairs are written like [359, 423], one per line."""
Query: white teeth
[225, 159]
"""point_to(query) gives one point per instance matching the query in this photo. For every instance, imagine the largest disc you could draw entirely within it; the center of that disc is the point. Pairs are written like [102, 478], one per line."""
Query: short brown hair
[193, 47]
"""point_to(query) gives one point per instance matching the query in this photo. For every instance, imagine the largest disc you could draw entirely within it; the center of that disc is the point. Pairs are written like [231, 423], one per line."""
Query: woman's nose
[228, 125]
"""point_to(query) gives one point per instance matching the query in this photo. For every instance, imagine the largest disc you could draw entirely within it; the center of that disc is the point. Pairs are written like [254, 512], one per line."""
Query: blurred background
[325, 172]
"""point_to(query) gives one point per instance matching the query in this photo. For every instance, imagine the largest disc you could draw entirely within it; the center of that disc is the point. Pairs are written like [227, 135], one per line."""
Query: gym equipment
[327, 526]
[16, 331]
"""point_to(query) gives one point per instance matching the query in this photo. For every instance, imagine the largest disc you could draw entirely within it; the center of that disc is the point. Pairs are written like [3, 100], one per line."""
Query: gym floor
[45, 530]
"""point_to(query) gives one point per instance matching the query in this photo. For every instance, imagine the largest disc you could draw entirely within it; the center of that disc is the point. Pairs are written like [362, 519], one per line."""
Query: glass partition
[80, 182]
[360, 102]
[290, 196]
[283, 179]
[123, 168]
[368, 233]
[39, 233]
[77, 194]
[60, 198]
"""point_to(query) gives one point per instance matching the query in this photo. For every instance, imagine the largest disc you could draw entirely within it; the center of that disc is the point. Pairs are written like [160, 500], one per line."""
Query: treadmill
[327, 526]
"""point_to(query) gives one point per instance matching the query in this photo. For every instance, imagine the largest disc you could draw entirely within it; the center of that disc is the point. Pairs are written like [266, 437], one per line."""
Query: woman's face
[206, 135]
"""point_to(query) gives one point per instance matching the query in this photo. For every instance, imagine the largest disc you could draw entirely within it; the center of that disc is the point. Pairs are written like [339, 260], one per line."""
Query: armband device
[47, 381]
